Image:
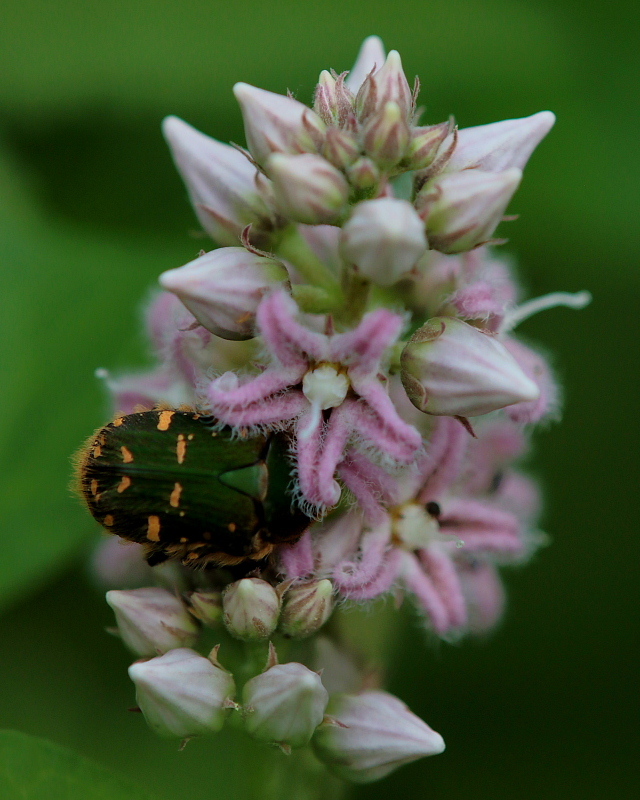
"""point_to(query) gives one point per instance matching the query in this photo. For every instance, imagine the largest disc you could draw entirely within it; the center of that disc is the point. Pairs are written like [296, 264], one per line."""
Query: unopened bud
[463, 209]
[500, 145]
[306, 608]
[152, 621]
[307, 188]
[386, 136]
[363, 174]
[340, 148]
[182, 693]
[221, 182]
[251, 608]
[285, 704]
[388, 85]
[206, 606]
[325, 101]
[425, 143]
[384, 238]
[223, 289]
[274, 123]
[451, 368]
[371, 57]
[373, 733]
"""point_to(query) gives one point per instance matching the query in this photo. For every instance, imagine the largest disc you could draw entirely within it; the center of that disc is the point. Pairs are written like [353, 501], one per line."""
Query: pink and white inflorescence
[358, 303]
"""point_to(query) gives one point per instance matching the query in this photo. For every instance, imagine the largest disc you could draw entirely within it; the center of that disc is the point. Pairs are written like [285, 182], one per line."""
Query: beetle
[176, 482]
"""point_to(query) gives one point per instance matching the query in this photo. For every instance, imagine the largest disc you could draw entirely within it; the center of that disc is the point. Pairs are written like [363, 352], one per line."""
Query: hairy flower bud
[373, 734]
[274, 123]
[425, 144]
[206, 606]
[221, 181]
[307, 188]
[152, 620]
[223, 289]
[285, 704]
[388, 85]
[306, 608]
[251, 608]
[463, 209]
[454, 369]
[384, 238]
[340, 148]
[370, 58]
[386, 136]
[182, 693]
[363, 174]
[500, 145]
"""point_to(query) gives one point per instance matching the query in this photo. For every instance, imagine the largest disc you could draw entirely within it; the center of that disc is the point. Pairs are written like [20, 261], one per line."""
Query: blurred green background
[91, 211]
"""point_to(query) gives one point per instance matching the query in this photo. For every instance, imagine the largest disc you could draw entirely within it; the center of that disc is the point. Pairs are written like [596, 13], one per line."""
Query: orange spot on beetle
[232, 527]
[127, 455]
[118, 421]
[153, 528]
[94, 487]
[174, 499]
[108, 520]
[125, 483]
[181, 448]
[164, 420]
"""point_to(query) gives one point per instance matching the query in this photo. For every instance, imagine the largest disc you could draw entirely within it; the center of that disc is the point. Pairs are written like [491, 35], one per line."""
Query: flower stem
[294, 248]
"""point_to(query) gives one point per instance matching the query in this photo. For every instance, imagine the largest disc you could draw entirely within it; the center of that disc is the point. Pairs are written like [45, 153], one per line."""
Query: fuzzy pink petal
[520, 495]
[375, 418]
[482, 526]
[382, 581]
[272, 411]
[495, 447]
[296, 560]
[535, 367]
[226, 392]
[447, 448]
[289, 341]
[362, 348]
[484, 593]
[428, 597]
[354, 572]
[335, 540]
[444, 577]
[316, 484]
[368, 482]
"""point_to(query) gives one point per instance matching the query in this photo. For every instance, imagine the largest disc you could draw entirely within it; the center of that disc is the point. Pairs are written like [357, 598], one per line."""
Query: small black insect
[171, 481]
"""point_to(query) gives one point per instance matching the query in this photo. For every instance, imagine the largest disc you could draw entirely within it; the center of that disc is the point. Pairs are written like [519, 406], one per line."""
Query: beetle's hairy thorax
[185, 489]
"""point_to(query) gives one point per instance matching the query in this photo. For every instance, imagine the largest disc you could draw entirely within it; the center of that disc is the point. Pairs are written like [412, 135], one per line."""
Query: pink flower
[328, 387]
[440, 538]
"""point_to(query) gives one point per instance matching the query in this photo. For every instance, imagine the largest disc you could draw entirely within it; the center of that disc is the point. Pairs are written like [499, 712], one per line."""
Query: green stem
[294, 248]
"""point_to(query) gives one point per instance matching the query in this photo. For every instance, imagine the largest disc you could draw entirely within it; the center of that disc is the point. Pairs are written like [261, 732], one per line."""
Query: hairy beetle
[173, 481]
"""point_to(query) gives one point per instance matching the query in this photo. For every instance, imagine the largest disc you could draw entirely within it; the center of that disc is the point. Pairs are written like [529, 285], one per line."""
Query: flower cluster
[356, 306]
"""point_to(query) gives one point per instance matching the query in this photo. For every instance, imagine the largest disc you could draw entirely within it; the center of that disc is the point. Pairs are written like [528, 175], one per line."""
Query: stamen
[575, 300]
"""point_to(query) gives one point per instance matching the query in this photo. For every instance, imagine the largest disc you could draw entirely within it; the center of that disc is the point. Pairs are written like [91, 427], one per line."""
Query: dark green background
[91, 211]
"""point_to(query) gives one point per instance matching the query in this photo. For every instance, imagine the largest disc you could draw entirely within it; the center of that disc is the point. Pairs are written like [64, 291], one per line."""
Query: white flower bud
[152, 620]
[463, 209]
[306, 608]
[454, 369]
[223, 288]
[206, 606]
[386, 136]
[274, 123]
[221, 181]
[500, 145]
[388, 85]
[340, 148]
[182, 693]
[425, 144]
[251, 608]
[384, 238]
[285, 704]
[363, 174]
[307, 188]
[374, 734]
[370, 57]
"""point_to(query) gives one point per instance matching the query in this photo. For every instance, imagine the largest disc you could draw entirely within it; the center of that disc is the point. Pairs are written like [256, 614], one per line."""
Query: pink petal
[482, 526]
[296, 560]
[444, 577]
[420, 585]
[289, 341]
[362, 348]
[376, 419]
[272, 411]
[226, 393]
[446, 448]
[319, 489]
[484, 593]
[535, 367]
[336, 539]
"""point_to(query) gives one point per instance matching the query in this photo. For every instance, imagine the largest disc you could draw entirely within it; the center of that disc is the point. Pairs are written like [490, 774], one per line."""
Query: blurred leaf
[35, 769]
[66, 307]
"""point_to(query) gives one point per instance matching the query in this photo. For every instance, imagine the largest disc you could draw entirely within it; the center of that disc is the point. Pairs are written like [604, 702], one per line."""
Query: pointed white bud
[340, 148]
[307, 188]
[325, 102]
[451, 368]
[285, 704]
[182, 693]
[363, 175]
[223, 288]
[500, 145]
[425, 144]
[306, 608]
[370, 57]
[274, 123]
[221, 181]
[384, 238]
[386, 136]
[206, 606]
[463, 209]
[152, 620]
[373, 734]
[251, 608]
[388, 85]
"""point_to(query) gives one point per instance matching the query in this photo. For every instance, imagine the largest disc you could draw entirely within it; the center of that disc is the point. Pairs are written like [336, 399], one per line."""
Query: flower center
[325, 387]
[413, 527]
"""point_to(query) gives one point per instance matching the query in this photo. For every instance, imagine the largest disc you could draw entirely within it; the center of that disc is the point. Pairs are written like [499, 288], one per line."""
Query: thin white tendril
[575, 300]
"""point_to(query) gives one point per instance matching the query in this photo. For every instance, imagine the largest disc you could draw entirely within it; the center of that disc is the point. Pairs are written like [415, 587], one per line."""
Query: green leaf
[35, 769]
